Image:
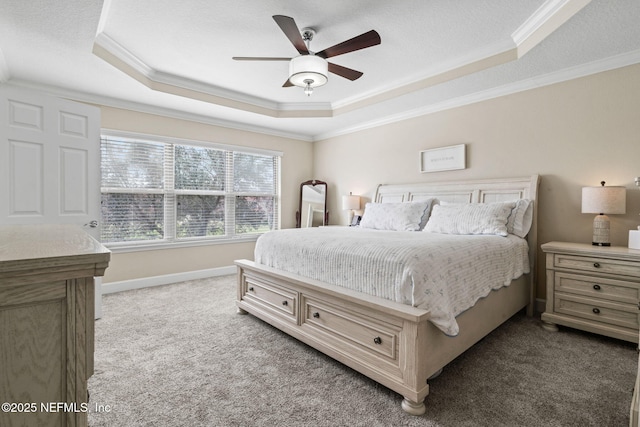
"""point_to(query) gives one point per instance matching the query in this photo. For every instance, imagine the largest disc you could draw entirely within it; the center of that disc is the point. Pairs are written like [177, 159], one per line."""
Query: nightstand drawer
[625, 315]
[598, 287]
[597, 265]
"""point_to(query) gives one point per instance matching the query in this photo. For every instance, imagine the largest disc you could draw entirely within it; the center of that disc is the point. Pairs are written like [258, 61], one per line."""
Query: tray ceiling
[174, 58]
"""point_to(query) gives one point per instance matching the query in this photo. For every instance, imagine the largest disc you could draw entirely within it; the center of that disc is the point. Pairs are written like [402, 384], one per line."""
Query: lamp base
[634, 239]
[350, 214]
[601, 231]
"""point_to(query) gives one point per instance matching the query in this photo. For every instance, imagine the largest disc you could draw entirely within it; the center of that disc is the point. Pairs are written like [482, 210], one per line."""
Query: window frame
[171, 194]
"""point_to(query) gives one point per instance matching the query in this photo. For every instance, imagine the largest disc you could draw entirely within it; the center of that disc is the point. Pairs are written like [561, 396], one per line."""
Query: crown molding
[106, 101]
[606, 64]
[595, 67]
[546, 19]
[109, 50]
[481, 59]
[550, 16]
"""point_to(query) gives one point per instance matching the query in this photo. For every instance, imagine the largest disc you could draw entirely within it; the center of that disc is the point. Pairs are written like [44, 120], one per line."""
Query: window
[169, 191]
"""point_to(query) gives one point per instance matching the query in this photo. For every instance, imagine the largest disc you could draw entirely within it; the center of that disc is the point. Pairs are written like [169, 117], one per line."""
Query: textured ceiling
[175, 57]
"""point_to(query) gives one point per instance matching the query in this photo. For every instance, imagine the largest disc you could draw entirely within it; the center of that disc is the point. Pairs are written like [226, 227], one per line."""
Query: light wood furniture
[634, 413]
[593, 288]
[47, 323]
[392, 343]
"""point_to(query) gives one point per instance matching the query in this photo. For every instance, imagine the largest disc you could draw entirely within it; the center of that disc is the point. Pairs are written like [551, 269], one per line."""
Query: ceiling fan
[310, 69]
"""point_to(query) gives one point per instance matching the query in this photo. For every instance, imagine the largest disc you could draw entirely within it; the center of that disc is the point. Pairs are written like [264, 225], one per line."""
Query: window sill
[118, 248]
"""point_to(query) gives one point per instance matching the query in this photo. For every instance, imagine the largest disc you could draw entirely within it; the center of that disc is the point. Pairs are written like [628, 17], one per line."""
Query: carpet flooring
[180, 355]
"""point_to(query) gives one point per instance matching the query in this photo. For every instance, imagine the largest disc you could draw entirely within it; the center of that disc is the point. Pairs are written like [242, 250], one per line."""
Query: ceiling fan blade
[290, 29]
[287, 84]
[368, 39]
[259, 58]
[345, 72]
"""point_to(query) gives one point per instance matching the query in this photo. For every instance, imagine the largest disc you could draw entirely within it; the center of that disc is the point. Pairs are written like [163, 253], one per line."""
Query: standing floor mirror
[312, 211]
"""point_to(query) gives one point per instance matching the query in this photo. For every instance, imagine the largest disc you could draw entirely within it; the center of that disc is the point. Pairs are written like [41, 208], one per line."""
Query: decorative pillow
[470, 218]
[396, 216]
[521, 218]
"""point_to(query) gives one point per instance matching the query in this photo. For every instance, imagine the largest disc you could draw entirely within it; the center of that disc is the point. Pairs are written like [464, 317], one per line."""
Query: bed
[393, 337]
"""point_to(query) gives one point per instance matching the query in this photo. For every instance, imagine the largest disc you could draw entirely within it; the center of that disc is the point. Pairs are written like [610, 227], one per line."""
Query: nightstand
[634, 419]
[593, 288]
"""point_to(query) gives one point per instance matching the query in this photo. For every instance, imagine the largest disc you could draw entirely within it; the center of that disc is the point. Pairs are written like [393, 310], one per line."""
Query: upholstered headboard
[473, 191]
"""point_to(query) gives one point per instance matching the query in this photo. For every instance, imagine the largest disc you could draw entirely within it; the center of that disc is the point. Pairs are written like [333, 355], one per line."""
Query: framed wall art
[443, 159]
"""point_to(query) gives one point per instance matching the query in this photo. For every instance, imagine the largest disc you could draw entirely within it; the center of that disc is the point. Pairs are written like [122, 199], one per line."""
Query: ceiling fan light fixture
[308, 71]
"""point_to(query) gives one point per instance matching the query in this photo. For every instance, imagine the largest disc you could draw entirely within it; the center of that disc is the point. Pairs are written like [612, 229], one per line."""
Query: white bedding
[445, 274]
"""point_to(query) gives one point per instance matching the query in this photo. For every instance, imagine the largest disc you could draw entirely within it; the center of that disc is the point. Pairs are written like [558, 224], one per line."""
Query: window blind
[132, 200]
[160, 191]
[255, 182]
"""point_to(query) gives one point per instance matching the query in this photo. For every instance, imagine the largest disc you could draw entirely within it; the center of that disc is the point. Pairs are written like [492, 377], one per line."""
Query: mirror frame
[325, 217]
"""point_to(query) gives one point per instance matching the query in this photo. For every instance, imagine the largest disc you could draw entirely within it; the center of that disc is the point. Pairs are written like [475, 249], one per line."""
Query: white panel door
[49, 162]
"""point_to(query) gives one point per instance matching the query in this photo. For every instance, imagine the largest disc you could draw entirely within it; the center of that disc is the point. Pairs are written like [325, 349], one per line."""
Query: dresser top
[22, 246]
[592, 250]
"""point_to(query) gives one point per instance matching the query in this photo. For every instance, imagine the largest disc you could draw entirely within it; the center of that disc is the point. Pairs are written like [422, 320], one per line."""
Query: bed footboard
[392, 343]
[381, 339]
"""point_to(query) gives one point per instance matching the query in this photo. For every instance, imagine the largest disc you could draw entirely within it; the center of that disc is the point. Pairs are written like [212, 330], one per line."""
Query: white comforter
[445, 274]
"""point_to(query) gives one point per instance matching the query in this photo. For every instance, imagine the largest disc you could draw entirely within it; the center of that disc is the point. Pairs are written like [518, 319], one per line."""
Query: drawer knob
[596, 264]
[251, 289]
[596, 287]
[316, 315]
[285, 303]
[596, 310]
[377, 340]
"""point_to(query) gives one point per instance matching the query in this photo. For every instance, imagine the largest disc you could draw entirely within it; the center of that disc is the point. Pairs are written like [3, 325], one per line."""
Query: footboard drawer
[376, 340]
[270, 297]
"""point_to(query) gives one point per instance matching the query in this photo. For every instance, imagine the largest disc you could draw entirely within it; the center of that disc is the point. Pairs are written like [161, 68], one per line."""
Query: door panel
[51, 171]
[49, 162]
[27, 116]
[74, 168]
[26, 175]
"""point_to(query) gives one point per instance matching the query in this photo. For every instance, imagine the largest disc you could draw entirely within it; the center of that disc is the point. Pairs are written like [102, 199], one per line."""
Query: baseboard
[167, 279]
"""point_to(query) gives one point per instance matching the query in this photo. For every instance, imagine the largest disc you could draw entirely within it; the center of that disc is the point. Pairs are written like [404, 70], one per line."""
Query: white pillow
[396, 216]
[470, 218]
[521, 218]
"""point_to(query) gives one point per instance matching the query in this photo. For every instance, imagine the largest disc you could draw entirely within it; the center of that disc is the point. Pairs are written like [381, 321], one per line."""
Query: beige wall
[573, 134]
[296, 168]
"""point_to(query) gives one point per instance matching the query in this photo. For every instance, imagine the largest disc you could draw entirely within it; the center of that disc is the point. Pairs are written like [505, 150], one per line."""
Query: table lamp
[602, 201]
[350, 203]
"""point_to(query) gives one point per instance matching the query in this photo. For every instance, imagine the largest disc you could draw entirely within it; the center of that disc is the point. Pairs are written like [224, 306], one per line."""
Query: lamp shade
[350, 202]
[604, 200]
[309, 69]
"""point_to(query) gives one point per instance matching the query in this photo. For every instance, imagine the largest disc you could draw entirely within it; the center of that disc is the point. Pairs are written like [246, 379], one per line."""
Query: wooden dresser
[47, 323]
[634, 418]
[596, 289]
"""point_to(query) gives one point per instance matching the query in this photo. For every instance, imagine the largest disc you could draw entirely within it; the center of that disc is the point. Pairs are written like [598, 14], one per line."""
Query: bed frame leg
[413, 408]
[551, 327]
